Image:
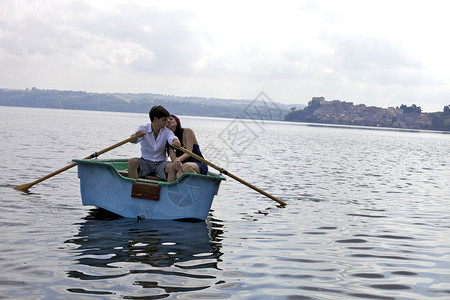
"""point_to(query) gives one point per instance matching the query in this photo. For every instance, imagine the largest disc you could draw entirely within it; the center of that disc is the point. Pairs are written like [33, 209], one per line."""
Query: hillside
[142, 102]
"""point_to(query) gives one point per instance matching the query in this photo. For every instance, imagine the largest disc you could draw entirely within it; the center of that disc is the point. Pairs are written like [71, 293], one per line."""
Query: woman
[188, 141]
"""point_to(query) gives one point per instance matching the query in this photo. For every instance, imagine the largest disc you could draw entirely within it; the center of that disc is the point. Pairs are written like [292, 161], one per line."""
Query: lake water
[368, 214]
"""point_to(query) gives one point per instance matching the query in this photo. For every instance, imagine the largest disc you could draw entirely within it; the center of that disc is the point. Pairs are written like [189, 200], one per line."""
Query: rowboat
[105, 184]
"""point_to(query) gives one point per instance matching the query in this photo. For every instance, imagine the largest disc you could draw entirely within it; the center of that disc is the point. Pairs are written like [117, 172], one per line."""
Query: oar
[231, 175]
[25, 187]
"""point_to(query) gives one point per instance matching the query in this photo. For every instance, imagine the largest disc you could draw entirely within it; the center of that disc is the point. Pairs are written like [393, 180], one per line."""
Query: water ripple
[367, 216]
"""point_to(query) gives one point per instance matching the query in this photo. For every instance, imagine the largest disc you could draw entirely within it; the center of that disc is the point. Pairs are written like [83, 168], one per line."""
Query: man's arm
[176, 143]
[137, 135]
[172, 138]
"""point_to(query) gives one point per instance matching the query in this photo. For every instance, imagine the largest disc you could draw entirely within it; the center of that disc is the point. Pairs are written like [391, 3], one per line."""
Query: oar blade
[24, 187]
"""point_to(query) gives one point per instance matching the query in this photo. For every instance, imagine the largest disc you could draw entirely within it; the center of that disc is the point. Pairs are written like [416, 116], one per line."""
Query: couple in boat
[165, 129]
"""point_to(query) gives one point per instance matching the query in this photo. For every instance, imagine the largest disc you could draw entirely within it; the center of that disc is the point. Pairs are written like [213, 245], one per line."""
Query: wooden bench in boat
[125, 174]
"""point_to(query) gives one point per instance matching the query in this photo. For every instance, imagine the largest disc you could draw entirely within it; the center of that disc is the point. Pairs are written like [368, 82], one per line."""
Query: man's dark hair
[159, 112]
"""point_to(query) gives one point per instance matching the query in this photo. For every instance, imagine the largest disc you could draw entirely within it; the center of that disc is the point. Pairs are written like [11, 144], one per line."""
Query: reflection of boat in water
[108, 249]
[105, 184]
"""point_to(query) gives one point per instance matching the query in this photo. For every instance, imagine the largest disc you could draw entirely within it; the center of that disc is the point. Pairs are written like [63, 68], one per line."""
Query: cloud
[370, 53]
[161, 40]
[142, 38]
[378, 61]
[292, 50]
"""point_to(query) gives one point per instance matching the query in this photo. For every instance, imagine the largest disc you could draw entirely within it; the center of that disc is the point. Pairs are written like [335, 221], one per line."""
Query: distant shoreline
[307, 124]
[318, 110]
[338, 112]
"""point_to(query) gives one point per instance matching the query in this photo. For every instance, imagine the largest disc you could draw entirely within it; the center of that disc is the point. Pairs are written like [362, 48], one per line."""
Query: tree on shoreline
[441, 120]
[447, 110]
[410, 109]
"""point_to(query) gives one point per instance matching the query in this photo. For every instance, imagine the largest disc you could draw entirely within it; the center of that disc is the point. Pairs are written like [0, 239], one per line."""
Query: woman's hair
[178, 130]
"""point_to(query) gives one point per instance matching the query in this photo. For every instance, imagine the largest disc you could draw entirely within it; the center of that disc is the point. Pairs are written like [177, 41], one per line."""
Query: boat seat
[125, 174]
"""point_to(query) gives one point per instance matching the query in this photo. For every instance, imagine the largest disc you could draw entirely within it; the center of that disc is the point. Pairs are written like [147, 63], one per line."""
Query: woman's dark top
[196, 150]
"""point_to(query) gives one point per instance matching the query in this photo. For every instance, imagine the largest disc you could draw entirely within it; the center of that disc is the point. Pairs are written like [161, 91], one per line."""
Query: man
[153, 138]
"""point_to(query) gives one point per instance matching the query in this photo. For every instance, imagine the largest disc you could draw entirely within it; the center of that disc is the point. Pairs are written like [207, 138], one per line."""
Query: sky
[378, 53]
